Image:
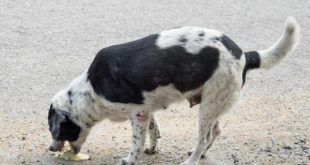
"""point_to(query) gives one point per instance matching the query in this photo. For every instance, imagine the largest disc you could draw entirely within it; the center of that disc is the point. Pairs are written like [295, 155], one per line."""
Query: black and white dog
[135, 79]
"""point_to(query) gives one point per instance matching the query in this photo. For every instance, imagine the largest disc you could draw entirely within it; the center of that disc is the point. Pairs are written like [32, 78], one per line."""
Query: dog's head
[62, 128]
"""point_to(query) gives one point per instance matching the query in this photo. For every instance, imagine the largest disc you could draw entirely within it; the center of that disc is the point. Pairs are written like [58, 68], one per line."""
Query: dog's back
[183, 57]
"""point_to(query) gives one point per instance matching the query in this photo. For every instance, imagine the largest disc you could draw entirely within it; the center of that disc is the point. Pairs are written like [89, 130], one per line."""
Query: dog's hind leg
[140, 121]
[218, 96]
[215, 133]
[205, 125]
[154, 136]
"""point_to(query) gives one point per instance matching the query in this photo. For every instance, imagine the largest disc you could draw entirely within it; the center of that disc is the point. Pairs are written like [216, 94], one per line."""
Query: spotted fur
[133, 80]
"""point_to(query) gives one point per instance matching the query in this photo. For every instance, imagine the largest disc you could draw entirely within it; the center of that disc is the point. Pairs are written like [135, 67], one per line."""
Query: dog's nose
[56, 146]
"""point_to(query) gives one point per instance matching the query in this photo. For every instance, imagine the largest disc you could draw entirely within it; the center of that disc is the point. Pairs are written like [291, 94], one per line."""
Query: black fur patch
[61, 126]
[120, 73]
[252, 61]
[231, 46]
[183, 39]
[201, 34]
[152, 125]
[69, 96]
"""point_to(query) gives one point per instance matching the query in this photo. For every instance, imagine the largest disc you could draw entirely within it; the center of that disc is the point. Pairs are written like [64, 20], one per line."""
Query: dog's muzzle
[57, 146]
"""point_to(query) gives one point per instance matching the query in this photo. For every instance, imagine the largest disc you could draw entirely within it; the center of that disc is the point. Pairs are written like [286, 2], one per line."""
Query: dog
[131, 81]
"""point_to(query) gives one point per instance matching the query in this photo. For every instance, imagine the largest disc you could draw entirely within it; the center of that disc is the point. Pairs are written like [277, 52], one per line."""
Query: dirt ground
[46, 44]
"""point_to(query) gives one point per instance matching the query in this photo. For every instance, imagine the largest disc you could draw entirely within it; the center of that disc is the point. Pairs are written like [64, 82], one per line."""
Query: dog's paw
[189, 153]
[124, 161]
[150, 151]
[203, 156]
[188, 163]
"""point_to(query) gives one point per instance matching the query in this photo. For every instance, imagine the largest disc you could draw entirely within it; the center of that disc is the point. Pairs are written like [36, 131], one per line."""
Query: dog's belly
[119, 117]
[162, 97]
[158, 99]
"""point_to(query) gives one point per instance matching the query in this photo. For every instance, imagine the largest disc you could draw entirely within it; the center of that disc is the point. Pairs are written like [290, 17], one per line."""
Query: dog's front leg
[139, 122]
[154, 136]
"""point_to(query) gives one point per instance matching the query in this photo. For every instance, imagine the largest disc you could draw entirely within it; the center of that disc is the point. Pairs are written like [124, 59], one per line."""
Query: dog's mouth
[57, 146]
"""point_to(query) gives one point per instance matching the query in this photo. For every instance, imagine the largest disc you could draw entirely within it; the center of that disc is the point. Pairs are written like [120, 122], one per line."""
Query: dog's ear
[51, 112]
[51, 119]
[53, 122]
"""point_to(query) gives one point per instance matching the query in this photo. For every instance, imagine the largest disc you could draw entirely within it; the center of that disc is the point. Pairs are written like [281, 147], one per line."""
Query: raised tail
[280, 49]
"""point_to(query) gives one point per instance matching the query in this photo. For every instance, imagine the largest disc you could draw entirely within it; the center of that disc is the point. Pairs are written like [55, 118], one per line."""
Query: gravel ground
[46, 44]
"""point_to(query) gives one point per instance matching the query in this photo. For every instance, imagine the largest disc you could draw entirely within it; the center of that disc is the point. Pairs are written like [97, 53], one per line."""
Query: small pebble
[287, 147]
[302, 140]
[235, 158]
[268, 149]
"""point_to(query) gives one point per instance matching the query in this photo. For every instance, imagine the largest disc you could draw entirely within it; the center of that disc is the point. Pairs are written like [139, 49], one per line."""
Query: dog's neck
[79, 99]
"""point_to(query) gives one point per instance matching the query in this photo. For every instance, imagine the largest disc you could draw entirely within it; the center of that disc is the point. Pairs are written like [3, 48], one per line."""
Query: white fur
[193, 44]
[219, 94]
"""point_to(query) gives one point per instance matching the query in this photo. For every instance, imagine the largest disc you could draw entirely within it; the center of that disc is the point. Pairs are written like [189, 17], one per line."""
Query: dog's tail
[280, 49]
